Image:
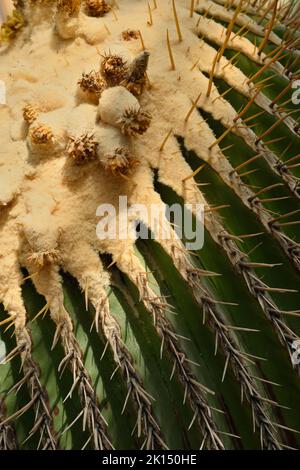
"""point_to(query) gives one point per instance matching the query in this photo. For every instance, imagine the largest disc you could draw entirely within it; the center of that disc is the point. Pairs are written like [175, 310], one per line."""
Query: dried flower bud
[82, 149]
[129, 34]
[135, 122]
[70, 7]
[42, 258]
[30, 113]
[136, 79]
[119, 108]
[120, 162]
[97, 7]
[114, 69]
[92, 82]
[114, 150]
[41, 134]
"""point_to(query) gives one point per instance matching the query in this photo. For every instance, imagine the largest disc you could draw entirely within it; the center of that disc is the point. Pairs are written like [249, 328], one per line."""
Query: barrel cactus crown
[124, 341]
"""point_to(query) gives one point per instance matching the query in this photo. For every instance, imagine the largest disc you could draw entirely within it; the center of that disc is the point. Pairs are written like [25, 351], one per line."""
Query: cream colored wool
[114, 103]
[109, 140]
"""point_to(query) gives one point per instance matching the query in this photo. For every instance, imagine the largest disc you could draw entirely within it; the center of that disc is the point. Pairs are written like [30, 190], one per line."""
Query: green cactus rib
[219, 12]
[239, 127]
[231, 177]
[146, 423]
[245, 23]
[277, 165]
[259, 289]
[223, 334]
[255, 94]
[8, 439]
[244, 46]
[43, 422]
[287, 15]
[239, 259]
[260, 29]
[92, 285]
[223, 331]
[193, 390]
[271, 223]
[91, 415]
[251, 200]
[231, 349]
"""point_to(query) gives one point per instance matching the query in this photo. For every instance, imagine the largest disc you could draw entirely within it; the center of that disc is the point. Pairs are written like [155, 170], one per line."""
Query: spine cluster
[115, 86]
[97, 7]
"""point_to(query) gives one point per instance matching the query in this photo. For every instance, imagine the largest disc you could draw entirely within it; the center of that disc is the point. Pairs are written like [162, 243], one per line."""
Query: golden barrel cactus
[132, 341]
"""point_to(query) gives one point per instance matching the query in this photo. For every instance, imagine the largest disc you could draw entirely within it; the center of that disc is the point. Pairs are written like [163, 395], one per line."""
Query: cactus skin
[152, 112]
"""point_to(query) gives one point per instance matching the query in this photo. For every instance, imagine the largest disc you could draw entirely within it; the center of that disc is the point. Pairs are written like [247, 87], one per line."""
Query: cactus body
[155, 103]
